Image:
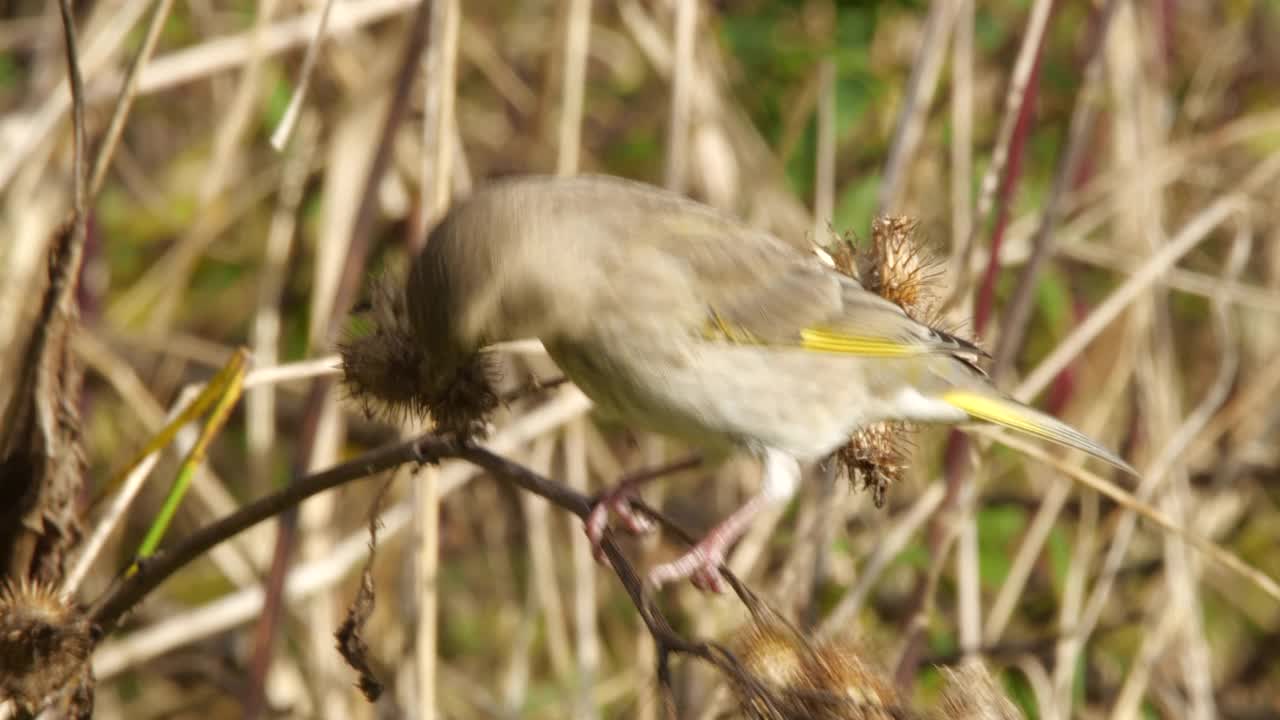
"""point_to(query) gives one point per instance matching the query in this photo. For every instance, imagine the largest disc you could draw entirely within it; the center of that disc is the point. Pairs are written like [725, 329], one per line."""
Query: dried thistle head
[44, 645]
[395, 373]
[842, 251]
[773, 659]
[896, 265]
[771, 652]
[877, 454]
[899, 267]
[847, 687]
[789, 677]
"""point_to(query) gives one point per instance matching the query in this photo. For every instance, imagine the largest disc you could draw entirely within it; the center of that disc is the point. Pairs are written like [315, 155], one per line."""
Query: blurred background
[1098, 180]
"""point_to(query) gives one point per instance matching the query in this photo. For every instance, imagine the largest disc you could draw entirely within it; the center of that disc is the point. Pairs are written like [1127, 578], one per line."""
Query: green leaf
[998, 531]
[856, 205]
[1053, 300]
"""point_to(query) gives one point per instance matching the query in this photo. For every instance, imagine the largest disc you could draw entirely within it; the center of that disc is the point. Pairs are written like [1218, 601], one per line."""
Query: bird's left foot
[615, 502]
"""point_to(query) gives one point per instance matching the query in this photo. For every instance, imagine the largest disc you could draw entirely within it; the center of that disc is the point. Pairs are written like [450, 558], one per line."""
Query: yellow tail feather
[1016, 416]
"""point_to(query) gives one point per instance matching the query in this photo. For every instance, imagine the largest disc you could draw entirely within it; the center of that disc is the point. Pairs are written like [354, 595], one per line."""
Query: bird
[678, 318]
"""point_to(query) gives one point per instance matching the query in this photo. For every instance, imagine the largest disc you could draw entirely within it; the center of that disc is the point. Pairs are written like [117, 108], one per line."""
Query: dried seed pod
[787, 677]
[877, 453]
[44, 645]
[897, 266]
[394, 374]
[773, 661]
[845, 686]
[782, 674]
[772, 653]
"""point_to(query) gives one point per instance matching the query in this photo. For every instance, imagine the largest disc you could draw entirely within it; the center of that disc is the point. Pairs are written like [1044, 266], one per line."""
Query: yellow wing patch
[720, 329]
[843, 342]
[816, 339]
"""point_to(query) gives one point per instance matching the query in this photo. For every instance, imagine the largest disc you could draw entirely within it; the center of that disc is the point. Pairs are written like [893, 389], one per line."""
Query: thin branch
[1135, 503]
[958, 465]
[107, 611]
[78, 196]
[985, 302]
[439, 122]
[824, 176]
[32, 421]
[41, 122]
[1191, 235]
[585, 603]
[312, 577]
[962, 123]
[127, 93]
[362, 228]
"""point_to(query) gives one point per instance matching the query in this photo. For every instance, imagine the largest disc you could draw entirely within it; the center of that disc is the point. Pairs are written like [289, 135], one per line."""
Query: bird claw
[701, 565]
[618, 504]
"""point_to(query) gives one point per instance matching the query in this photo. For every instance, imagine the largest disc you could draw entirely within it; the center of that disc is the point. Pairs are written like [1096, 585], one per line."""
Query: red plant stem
[956, 465]
[985, 304]
[349, 283]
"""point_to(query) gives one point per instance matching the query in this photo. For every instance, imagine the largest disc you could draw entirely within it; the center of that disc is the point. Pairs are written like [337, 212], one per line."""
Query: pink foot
[615, 502]
[701, 564]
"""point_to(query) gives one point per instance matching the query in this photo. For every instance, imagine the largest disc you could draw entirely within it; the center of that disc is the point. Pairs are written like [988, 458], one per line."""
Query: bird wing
[868, 324]
[759, 291]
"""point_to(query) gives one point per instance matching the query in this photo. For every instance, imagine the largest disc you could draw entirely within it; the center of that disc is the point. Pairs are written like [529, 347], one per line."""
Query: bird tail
[1009, 413]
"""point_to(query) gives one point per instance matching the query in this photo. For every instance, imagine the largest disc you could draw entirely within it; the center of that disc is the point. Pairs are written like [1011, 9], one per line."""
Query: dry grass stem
[918, 97]
[683, 69]
[102, 162]
[284, 129]
[573, 86]
[1211, 550]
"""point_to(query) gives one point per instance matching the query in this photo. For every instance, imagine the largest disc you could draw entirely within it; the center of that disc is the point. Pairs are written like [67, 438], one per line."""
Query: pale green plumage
[680, 318]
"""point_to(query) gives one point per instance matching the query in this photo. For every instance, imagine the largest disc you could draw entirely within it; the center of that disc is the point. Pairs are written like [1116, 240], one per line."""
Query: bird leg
[617, 501]
[702, 562]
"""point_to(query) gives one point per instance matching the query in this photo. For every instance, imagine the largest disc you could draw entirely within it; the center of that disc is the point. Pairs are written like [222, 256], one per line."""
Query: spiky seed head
[845, 686]
[393, 373]
[896, 265]
[772, 658]
[44, 645]
[842, 252]
[899, 267]
[771, 653]
[793, 678]
[877, 455]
